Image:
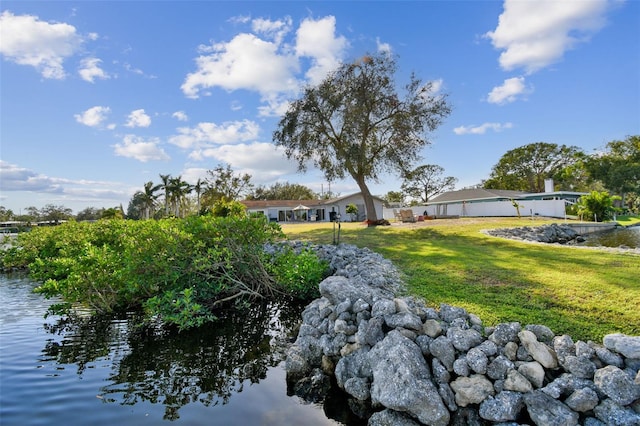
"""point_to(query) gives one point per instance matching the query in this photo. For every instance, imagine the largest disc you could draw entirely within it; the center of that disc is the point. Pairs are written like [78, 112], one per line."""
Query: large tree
[526, 168]
[355, 124]
[618, 168]
[427, 181]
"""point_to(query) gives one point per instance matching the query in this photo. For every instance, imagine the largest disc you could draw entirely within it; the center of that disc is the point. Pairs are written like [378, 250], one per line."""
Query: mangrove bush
[180, 271]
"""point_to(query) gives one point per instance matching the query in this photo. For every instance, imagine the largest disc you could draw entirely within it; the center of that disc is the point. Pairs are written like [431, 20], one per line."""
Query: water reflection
[207, 365]
[627, 237]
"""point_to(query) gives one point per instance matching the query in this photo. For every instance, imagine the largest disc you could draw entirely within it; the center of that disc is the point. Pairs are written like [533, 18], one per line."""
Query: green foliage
[618, 168]
[224, 208]
[178, 270]
[526, 168]
[597, 206]
[283, 191]
[299, 273]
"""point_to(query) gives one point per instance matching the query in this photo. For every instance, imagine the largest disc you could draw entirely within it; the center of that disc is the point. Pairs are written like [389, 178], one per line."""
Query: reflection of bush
[208, 364]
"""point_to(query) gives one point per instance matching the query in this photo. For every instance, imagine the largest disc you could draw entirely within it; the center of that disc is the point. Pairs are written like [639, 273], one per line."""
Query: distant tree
[354, 123]
[526, 168]
[53, 213]
[198, 188]
[6, 214]
[426, 181]
[223, 184]
[136, 207]
[283, 191]
[32, 214]
[166, 186]
[89, 213]
[392, 197]
[112, 213]
[618, 168]
[148, 198]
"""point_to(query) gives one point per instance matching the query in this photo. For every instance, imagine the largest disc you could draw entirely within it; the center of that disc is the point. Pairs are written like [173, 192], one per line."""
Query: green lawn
[581, 292]
[628, 220]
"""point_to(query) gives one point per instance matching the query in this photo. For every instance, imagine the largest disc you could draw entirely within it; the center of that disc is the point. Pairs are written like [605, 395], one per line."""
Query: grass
[628, 220]
[580, 292]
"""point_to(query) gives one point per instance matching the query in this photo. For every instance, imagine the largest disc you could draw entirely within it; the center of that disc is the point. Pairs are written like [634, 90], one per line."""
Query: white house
[479, 202]
[313, 210]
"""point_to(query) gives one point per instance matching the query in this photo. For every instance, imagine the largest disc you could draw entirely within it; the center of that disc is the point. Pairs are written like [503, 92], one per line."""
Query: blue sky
[98, 98]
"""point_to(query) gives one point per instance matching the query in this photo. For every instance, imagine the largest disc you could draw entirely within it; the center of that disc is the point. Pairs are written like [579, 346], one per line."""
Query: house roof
[264, 204]
[475, 194]
[481, 194]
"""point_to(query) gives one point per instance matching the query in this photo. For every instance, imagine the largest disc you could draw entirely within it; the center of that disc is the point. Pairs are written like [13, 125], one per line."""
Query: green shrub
[299, 274]
[179, 270]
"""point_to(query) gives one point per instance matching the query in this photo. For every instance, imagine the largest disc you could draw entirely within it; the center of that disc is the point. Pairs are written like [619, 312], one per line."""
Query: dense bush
[178, 270]
[596, 206]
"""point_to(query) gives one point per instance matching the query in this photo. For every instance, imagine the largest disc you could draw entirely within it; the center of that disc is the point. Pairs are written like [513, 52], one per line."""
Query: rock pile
[553, 233]
[402, 363]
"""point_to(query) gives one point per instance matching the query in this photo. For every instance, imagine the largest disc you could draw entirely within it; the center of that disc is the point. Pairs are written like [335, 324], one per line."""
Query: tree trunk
[369, 206]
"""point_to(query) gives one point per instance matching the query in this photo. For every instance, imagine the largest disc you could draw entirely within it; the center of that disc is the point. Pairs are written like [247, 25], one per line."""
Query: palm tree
[178, 189]
[198, 188]
[167, 189]
[149, 198]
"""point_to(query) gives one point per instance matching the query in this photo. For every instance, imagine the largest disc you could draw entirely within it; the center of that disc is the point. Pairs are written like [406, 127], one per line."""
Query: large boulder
[402, 380]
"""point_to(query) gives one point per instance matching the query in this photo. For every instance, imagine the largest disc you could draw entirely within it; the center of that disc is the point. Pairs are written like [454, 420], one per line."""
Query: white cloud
[211, 133]
[26, 40]
[94, 116]
[383, 47]
[317, 39]
[16, 178]
[246, 62]
[264, 63]
[180, 116]
[138, 118]
[275, 30]
[140, 149]
[262, 160]
[510, 90]
[90, 70]
[482, 129]
[535, 34]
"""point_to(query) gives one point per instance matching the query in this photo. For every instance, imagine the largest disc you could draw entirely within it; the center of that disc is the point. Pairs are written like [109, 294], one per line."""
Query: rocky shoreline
[553, 234]
[402, 363]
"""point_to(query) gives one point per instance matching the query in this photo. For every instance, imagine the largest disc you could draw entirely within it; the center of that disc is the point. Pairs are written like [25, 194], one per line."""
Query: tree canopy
[222, 183]
[355, 124]
[526, 168]
[618, 168]
[427, 181]
[283, 191]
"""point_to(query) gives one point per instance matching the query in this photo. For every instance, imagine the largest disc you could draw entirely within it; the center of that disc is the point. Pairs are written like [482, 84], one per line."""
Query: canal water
[628, 237]
[104, 371]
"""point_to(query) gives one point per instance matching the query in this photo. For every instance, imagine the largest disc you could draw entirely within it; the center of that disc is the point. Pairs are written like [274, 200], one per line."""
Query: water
[629, 237]
[103, 371]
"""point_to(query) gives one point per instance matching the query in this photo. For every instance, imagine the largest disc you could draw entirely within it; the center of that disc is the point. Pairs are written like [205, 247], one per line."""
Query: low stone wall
[402, 363]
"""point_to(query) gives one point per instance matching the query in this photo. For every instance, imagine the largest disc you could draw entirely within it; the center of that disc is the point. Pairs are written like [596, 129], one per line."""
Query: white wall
[548, 208]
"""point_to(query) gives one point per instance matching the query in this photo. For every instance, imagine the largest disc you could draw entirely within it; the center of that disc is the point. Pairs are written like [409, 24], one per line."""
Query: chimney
[548, 185]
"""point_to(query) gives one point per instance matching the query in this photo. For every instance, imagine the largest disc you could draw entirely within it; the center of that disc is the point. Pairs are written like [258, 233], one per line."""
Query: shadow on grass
[583, 293]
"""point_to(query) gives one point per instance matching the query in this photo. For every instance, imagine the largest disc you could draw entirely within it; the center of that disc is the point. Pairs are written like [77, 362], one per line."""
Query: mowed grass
[584, 293]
